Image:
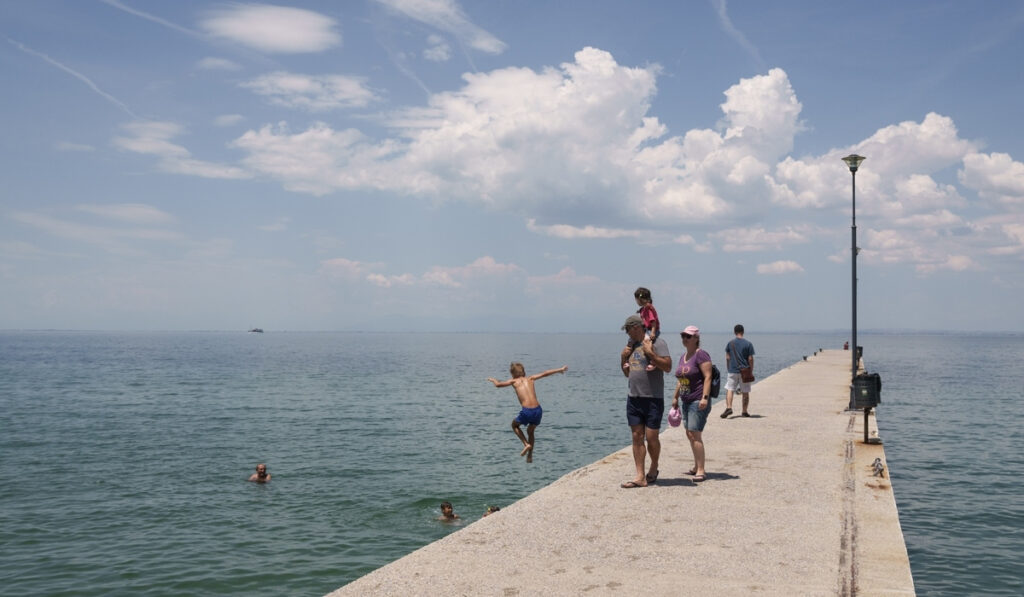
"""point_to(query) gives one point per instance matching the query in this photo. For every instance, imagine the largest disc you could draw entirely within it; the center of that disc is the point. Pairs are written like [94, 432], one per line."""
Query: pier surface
[792, 506]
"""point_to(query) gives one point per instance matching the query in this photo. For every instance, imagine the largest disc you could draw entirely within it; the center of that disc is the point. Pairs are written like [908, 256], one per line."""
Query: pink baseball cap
[692, 330]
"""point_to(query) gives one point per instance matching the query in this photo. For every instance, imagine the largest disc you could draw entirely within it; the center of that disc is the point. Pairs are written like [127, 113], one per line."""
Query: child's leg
[522, 438]
[529, 451]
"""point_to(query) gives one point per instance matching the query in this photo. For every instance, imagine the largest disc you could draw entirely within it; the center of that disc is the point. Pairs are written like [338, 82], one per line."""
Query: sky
[500, 165]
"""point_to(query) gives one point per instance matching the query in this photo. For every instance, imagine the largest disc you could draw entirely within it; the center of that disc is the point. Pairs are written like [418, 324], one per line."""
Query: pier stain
[509, 591]
[613, 585]
[848, 538]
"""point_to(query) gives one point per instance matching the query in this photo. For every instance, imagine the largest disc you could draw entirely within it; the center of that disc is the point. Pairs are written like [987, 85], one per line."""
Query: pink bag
[675, 417]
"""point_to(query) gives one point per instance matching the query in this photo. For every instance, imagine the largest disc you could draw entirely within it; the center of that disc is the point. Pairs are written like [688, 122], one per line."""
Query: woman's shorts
[645, 411]
[694, 418]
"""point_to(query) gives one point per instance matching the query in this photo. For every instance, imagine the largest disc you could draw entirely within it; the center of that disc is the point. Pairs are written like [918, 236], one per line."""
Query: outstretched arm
[500, 384]
[562, 369]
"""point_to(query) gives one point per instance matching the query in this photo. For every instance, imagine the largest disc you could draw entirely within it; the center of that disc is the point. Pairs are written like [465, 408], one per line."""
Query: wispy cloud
[154, 138]
[726, 23]
[133, 213]
[312, 92]
[74, 74]
[212, 63]
[447, 16]
[69, 146]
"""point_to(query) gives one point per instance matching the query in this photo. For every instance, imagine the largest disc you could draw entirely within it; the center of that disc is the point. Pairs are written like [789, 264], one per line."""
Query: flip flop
[692, 471]
[699, 478]
[630, 485]
[652, 477]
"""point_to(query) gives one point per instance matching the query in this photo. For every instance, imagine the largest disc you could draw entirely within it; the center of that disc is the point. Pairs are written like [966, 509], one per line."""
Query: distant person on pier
[531, 412]
[261, 475]
[644, 361]
[447, 513]
[739, 360]
[694, 388]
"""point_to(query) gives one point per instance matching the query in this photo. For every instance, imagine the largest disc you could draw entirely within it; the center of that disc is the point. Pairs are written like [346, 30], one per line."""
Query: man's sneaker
[727, 412]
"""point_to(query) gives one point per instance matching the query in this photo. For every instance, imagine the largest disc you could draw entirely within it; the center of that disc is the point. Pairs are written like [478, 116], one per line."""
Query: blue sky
[509, 165]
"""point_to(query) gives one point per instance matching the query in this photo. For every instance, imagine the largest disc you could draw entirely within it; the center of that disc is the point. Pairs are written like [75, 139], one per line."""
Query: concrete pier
[792, 506]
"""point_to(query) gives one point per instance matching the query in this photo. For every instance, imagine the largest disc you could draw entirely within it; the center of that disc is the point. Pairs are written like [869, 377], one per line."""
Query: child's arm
[500, 384]
[562, 369]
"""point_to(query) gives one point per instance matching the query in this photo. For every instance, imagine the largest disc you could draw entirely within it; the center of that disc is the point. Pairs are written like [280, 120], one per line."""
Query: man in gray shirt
[645, 402]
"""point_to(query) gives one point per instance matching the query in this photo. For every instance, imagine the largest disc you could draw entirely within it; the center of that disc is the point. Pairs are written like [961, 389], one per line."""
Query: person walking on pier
[694, 387]
[645, 400]
[739, 360]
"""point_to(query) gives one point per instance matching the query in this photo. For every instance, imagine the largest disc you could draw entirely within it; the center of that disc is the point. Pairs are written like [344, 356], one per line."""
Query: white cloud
[437, 50]
[956, 263]
[995, 176]
[447, 16]
[758, 239]
[211, 63]
[314, 93]
[273, 29]
[779, 267]
[154, 138]
[566, 231]
[228, 119]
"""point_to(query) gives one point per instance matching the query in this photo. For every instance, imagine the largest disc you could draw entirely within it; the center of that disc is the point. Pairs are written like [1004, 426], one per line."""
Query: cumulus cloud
[316, 93]
[995, 176]
[154, 138]
[272, 29]
[447, 16]
[519, 139]
[780, 267]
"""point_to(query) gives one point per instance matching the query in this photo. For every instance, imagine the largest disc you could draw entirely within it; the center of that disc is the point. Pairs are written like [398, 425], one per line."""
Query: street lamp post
[853, 161]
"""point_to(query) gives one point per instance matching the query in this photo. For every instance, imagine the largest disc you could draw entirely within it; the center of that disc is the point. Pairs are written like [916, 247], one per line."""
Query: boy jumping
[531, 412]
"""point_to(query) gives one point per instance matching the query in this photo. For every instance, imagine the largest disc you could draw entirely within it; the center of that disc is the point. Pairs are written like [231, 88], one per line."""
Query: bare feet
[529, 455]
[526, 448]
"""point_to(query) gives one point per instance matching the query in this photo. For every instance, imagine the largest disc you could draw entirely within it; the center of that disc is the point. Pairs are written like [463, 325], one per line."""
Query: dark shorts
[645, 411]
[529, 416]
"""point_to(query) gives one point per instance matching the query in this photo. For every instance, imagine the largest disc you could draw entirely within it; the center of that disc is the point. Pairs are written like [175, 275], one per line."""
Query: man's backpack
[716, 381]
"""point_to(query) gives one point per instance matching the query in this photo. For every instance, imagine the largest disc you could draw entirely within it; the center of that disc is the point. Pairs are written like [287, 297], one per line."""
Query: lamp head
[853, 161]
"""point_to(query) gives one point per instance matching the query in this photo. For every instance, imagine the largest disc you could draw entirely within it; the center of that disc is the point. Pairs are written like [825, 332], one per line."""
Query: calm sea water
[123, 456]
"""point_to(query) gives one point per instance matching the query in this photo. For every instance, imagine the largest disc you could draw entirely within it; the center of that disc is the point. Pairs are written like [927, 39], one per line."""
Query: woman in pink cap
[694, 375]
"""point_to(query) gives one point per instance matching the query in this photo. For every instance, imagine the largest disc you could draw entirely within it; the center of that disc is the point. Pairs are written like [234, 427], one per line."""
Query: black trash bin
[867, 390]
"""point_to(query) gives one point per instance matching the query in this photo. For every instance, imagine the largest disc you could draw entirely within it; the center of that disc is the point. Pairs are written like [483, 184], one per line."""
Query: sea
[124, 455]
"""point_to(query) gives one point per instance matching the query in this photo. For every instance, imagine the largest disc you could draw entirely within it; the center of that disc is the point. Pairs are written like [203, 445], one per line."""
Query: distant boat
[256, 331]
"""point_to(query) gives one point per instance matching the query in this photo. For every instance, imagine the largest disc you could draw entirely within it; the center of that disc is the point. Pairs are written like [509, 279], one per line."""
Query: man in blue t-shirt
[739, 354]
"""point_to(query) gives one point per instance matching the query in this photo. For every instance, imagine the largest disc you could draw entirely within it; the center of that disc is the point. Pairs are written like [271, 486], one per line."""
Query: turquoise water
[123, 456]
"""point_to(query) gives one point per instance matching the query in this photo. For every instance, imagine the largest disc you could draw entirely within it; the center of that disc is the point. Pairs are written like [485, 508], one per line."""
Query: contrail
[75, 74]
[726, 22]
[146, 15]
